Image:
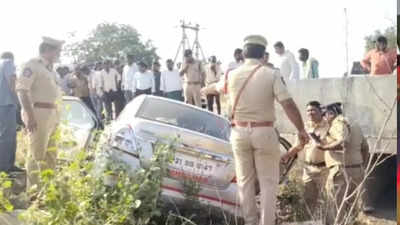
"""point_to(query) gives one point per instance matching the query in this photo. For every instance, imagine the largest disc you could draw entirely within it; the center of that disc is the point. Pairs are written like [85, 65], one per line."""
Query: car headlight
[124, 140]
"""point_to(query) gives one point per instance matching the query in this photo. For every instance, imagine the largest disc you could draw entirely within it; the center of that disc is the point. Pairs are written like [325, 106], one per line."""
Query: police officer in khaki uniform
[194, 76]
[254, 141]
[346, 149]
[38, 93]
[314, 163]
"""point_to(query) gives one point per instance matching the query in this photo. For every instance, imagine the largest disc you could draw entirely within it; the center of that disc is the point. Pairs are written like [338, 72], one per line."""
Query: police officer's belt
[348, 166]
[193, 82]
[321, 164]
[44, 105]
[252, 124]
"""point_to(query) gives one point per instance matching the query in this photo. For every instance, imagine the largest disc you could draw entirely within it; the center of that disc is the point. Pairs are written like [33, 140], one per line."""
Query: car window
[130, 109]
[184, 116]
[76, 114]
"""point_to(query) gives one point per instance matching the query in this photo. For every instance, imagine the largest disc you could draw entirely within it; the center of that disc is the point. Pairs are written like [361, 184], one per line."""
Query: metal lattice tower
[185, 43]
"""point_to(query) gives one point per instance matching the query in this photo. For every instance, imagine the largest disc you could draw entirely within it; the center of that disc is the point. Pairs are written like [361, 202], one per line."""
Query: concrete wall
[366, 100]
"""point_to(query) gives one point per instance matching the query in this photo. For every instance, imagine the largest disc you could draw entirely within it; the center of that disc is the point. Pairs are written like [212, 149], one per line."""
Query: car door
[77, 125]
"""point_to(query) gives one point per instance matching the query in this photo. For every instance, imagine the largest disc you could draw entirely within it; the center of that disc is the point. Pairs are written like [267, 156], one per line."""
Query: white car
[204, 152]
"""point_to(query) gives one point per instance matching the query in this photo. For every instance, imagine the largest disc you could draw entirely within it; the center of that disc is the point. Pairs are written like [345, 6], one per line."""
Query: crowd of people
[111, 84]
[251, 83]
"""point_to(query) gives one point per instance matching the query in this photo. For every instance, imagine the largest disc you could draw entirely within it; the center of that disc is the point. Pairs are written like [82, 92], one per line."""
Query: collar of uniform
[316, 125]
[339, 118]
[252, 61]
[44, 61]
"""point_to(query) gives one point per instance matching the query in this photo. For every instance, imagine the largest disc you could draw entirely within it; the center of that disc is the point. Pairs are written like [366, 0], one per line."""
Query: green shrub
[5, 186]
[73, 195]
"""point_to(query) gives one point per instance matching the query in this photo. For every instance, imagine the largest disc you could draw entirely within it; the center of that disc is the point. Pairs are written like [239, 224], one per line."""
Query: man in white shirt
[213, 74]
[171, 82]
[288, 66]
[127, 77]
[110, 78]
[143, 81]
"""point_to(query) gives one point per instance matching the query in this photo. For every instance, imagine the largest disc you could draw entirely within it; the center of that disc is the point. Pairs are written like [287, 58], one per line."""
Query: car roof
[184, 104]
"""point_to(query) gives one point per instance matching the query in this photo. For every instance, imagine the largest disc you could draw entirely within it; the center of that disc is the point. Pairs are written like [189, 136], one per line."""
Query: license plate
[192, 165]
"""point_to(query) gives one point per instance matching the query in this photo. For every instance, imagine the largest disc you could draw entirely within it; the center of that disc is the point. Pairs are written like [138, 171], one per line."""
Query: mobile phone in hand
[315, 137]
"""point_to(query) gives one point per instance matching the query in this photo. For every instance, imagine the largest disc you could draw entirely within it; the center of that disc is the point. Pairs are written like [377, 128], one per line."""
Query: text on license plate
[193, 165]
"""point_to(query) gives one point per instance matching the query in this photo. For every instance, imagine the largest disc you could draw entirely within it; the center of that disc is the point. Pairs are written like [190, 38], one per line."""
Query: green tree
[390, 33]
[111, 41]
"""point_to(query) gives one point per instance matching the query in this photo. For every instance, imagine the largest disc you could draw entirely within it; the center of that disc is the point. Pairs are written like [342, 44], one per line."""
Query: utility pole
[346, 41]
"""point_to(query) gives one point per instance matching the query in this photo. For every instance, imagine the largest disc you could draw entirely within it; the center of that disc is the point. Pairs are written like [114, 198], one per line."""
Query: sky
[318, 25]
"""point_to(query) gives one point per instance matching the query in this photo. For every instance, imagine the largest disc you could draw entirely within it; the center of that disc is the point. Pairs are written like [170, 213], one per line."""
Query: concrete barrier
[366, 100]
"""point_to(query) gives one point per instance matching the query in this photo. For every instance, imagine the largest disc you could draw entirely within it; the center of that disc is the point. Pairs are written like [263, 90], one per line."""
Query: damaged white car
[203, 153]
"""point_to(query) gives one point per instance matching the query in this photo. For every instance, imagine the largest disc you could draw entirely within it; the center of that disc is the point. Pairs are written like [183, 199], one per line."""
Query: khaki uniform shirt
[311, 153]
[39, 80]
[194, 73]
[353, 139]
[257, 100]
[81, 86]
[211, 76]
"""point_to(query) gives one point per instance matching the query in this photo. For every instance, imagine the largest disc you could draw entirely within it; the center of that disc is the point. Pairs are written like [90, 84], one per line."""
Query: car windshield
[183, 116]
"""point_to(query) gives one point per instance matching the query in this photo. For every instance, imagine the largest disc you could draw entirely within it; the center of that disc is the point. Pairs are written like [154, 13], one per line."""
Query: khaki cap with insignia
[53, 42]
[255, 39]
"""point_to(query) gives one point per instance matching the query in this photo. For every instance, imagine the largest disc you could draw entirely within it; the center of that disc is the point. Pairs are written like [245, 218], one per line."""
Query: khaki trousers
[256, 153]
[336, 189]
[313, 185]
[42, 151]
[192, 94]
